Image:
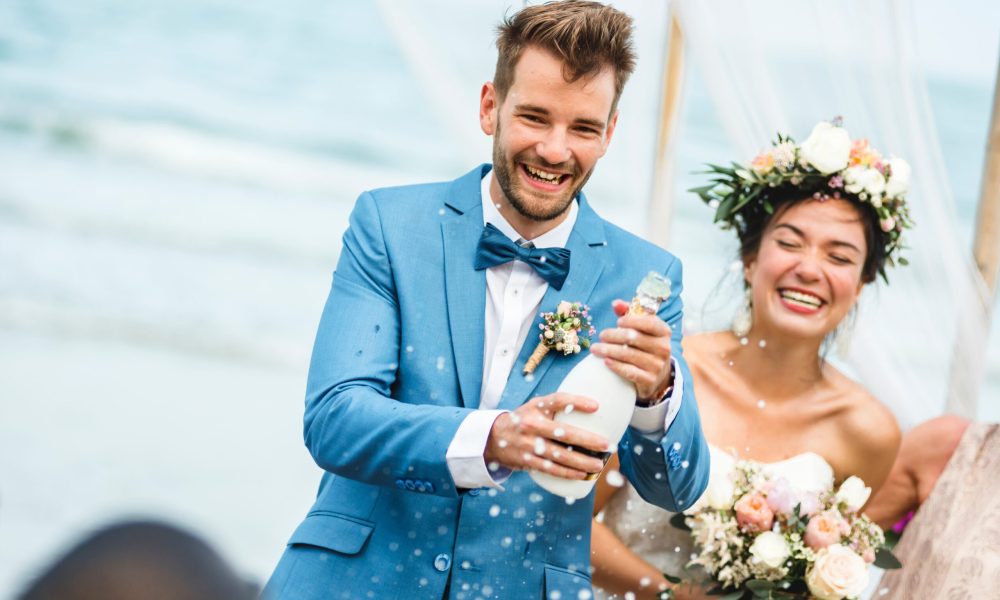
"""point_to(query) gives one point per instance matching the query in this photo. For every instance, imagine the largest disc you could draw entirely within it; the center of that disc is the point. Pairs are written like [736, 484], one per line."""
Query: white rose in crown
[859, 179]
[853, 493]
[770, 548]
[837, 573]
[853, 181]
[874, 182]
[827, 149]
[899, 178]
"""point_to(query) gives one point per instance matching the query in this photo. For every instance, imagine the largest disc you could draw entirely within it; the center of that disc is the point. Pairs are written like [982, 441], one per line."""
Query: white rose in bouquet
[770, 548]
[720, 491]
[718, 495]
[853, 493]
[827, 148]
[899, 178]
[837, 573]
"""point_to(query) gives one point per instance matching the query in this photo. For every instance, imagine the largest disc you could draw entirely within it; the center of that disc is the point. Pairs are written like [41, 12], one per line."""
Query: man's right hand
[529, 438]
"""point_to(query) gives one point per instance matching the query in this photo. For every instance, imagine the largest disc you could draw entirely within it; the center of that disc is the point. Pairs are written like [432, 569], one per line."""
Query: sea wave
[72, 322]
[193, 151]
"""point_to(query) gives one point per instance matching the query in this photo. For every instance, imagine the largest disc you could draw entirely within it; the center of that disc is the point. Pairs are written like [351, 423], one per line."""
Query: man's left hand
[638, 350]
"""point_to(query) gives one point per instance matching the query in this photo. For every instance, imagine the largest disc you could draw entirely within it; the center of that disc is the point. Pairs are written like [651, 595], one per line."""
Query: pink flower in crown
[864, 155]
[825, 529]
[753, 514]
[763, 163]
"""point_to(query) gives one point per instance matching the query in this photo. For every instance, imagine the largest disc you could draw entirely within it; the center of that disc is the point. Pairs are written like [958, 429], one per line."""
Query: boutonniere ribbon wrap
[567, 330]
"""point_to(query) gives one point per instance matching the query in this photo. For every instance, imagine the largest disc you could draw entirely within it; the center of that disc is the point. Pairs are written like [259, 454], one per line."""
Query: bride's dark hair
[753, 220]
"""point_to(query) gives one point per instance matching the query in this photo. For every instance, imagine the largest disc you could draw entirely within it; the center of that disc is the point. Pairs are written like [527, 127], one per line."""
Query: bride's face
[807, 272]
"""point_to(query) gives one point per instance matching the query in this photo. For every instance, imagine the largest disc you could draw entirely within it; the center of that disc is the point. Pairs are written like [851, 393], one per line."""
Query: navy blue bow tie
[551, 264]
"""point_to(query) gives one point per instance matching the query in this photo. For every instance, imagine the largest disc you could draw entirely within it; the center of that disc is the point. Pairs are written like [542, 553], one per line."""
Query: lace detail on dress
[951, 549]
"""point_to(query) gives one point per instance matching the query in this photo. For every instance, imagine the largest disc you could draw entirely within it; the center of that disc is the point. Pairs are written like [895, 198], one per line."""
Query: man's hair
[586, 36]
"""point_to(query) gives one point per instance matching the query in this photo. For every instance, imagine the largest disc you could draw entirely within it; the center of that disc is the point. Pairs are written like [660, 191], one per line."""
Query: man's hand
[528, 438]
[638, 350]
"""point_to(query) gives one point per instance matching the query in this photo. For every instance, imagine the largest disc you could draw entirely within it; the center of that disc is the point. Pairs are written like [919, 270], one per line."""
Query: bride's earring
[844, 334]
[743, 320]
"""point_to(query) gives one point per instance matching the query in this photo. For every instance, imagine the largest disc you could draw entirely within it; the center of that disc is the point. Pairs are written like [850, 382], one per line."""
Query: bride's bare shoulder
[869, 426]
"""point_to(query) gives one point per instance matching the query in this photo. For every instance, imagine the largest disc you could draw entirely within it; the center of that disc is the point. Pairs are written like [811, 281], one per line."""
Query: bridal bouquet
[756, 537]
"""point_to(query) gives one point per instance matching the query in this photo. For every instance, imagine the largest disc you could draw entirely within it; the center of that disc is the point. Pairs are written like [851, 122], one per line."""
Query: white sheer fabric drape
[781, 66]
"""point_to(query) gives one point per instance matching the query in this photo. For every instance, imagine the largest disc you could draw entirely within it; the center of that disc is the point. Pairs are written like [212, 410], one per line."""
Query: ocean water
[174, 181]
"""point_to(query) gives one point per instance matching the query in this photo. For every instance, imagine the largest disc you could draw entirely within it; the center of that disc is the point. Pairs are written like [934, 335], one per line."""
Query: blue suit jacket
[397, 366]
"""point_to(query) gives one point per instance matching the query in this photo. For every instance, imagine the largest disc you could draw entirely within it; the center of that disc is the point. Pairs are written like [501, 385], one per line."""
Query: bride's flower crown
[827, 165]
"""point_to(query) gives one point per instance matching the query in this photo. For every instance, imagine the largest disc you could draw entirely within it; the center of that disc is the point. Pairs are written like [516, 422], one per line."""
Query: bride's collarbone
[767, 430]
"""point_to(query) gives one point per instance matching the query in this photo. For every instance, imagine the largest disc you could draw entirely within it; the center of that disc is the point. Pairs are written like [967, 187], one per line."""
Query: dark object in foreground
[147, 560]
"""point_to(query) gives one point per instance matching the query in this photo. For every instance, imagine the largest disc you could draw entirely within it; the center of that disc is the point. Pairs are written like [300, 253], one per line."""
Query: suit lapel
[465, 288]
[588, 248]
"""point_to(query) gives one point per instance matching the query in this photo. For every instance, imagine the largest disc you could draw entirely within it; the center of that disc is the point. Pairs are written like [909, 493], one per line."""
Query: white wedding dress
[647, 531]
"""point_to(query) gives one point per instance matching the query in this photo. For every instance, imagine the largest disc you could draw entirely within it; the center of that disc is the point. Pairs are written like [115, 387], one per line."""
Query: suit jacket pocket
[561, 583]
[346, 535]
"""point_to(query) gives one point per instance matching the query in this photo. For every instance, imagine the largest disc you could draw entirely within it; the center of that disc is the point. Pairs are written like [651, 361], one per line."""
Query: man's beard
[503, 170]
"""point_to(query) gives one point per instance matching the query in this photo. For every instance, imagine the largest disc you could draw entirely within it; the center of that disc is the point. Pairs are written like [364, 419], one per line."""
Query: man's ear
[610, 131]
[488, 107]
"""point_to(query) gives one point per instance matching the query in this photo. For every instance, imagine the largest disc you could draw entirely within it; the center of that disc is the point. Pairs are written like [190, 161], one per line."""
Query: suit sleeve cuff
[654, 420]
[465, 453]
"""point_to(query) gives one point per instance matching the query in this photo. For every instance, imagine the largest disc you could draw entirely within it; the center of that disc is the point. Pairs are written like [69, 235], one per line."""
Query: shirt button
[442, 562]
[504, 352]
[516, 292]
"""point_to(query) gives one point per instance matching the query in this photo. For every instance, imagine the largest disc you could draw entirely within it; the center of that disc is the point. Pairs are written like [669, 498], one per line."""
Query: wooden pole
[968, 360]
[986, 247]
[660, 207]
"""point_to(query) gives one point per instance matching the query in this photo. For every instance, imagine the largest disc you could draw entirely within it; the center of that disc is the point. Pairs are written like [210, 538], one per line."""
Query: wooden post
[660, 207]
[986, 247]
[968, 359]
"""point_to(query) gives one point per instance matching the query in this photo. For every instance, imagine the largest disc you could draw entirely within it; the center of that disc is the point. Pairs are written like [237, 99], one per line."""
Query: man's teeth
[543, 175]
[802, 298]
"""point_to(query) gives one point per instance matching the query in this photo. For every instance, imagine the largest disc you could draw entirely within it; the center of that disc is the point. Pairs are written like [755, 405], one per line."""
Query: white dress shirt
[513, 297]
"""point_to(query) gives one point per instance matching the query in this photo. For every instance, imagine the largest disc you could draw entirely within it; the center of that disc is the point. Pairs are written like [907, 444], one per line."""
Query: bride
[808, 247]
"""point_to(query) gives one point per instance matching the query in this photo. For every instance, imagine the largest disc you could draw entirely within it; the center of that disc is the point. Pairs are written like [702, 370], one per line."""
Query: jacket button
[400, 484]
[474, 492]
[421, 487]
[410, 485]
[442, 562]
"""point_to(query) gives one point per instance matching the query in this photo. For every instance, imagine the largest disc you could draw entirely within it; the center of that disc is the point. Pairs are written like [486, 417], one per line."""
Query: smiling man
[417, 408]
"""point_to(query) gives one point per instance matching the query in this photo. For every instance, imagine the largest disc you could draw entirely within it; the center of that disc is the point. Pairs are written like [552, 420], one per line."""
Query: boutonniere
[566, 330]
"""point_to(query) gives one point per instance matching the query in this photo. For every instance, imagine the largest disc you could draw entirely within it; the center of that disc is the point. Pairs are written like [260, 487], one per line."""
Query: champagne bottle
[615, 395]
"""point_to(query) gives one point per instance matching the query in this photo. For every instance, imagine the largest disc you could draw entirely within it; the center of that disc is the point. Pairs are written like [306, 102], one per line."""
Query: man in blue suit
[416, 405]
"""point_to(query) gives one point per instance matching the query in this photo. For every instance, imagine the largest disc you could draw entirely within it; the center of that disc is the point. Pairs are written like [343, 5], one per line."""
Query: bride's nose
[808, 268]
